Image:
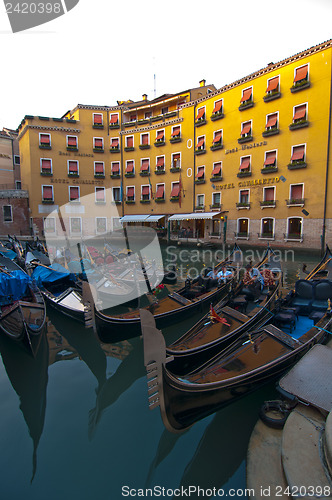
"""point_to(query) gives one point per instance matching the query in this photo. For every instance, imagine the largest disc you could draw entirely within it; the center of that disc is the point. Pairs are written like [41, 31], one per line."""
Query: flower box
[199, 181]
[217, 116]
[143, 122]
[144, 146]
[115, 150]
[72, 148]
[159, 200]
[159, 143]
[144, 174]
[296, 164]
[118, 202]
[300, 86]
[48, 202]
[45, 146]
[216, 178]
[129, 149]
[130, 202]
[129, 124]
[176, 139]
[295, 202]
[244, 174]
[159, 171]
[214, 147]
[200, 122]
[272, 131]
[98, 125]
[170, 114]
[130, 174]
[215, 205]
[269, 170]
[156, 118]
[114, 126]
[175, 169]
[243, 205]
[46, 174]
[299, 124]
[200, 151]
[174, 198]
[98, 150]
[115, 176]
[272, 96]
[99, 176]
[241, 140]
[73, 174]
[145, 201]
[270, 203]
[246, 105]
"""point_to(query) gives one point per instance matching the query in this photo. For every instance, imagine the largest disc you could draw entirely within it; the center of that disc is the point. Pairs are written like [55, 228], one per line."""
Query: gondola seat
[247, 293]
[286, 317]
[322, 292]
[303, 297]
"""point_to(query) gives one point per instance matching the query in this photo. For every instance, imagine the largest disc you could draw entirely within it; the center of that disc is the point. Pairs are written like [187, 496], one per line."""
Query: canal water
[75, 422]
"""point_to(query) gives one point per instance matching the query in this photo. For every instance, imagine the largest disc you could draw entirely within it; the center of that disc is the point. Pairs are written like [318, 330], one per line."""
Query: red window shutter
[130, 167]
[145, 139]
[47, 193]
[271, 120]
[99, 167]
[132, 118]
[270, 158]
[217, 137]
[217, 107]
[74, 193]
[160, 192]
[301, 74]
[300, 112]
[200, 143]
[145, 190]
[269, 194]
[114, 143]
[273, 84]
[298, 153]
[246, 128]
[216, 169]
[200, 113]
[160, 162]
[115, 168]
[175, 189]
[145, 165]
[296, 192]
[73, 167]
[245, 163]
[72, 141]
[130, 142]
[160, 135]
[45, 139]
[97, 119]
[246, 95]
[130, 192]
[200, 173]
[100, 194]
[98, 143]
[176, 131]
[46, 164]
[114, 119]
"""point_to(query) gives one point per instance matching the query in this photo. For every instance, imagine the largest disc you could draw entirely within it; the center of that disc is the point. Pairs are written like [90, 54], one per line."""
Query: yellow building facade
[249, 161]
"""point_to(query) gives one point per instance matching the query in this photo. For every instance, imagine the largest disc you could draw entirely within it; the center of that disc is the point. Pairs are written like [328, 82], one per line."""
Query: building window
[114, 120]
[176, 134]
[273, 89]
[130, 194]
[216, 172]
[300, 117]
[301, 78]
[98, 120]
[200, 202]
[296, 197]
[99, 169]
[267, 228]
[47, 194]
[246, 132]
[268, 197]
[200, 145]
[133, 117]
[46, 166]
[216, 200]
[101, 225]
[242, 228]
[116, 192]
[160, 164]
[49, 225]
[145, 141]
[200, 116]
[115, 169]
[245, 166]
[45, 141]
[164, 110]
[243, 199]
[74, 193]
[130, 168]
[271, 127]
[98, 144]
[129, 141]
[147, 115]
[298, 159]
[175, 191]
[73, 168]
[72, 143]
[160, 192]
[75, 224]
[200, 176]
[7, 213]
[246, 99]
[100, 195]
[176, 162]
[270, 162]
[17, 160]
[115, 144]
[160, 138]
[145, 193]
[145, 166]
[217, 110]
[18, 185]
[294, 229]
[217, 140]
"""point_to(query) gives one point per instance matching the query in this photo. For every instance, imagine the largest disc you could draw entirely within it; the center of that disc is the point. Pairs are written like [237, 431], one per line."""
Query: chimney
[202, 83]
[145, 97]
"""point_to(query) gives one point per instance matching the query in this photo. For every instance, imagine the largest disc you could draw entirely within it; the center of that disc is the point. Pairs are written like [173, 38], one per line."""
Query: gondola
[23, 311]
[249, 362]
[175, 306]
[233, 315]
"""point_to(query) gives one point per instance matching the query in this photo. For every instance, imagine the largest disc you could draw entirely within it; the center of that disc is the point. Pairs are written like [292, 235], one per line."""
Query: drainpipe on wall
[327, 168]
[121, 166]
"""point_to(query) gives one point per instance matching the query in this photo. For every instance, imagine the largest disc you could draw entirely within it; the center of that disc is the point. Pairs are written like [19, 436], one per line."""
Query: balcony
[293, 237]
[200, 208]
[266, 236]
[215, 206]
[268, 204]
[242, 235]
[295, 202]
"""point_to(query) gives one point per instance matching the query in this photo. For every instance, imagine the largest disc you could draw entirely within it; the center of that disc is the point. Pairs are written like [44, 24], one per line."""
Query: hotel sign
[251, 183]
[244, 147]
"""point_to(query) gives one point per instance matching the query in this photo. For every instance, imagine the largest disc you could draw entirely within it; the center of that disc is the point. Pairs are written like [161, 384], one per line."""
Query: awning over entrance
[198, 215]
[154, 218]
[134, 218]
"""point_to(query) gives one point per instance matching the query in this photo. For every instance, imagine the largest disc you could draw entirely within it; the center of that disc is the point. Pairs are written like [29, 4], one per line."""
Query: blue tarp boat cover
[52, 274]
[13, 286]
[6, 252]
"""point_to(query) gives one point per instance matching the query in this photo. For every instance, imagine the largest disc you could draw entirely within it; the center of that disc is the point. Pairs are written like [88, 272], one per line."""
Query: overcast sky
[103, 51]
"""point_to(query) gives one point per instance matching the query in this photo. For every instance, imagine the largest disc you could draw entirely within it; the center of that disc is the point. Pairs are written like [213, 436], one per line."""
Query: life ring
[281, 410]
